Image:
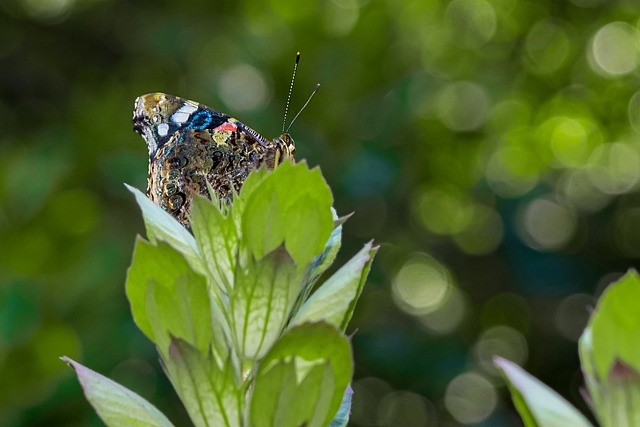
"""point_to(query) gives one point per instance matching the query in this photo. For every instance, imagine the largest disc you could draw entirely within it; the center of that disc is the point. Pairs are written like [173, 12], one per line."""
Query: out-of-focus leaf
[261, 301]
[211, 393]
[162, 226]
[312, 364]
[335, 300]
[116, 405]
[538, 405]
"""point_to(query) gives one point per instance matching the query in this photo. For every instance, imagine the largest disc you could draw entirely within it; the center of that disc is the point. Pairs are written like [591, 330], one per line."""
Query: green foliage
[610, 358]
[498, 135]
[241, 337]
[538, 405]
[307, 370]
[117, 405]
[610, 354]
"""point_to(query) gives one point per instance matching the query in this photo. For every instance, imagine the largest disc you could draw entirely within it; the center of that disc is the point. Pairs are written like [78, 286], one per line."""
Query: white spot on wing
[163, 129]
[180, 117]
[183, 113]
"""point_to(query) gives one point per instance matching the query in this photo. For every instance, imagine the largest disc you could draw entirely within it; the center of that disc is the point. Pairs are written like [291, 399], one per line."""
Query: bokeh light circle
[634, 111]
[474, 22]
[503, 341]
[470, 398]
[421, 286]
[463, 106]
[368, 392]
[572, 315]
[547, 46]
[614, 50]
[547, 224]
[448, 316]
[443, 209]
[576, 187]
[243, 88]
[511, 171]
[404, 408]
[48, 10]
[483, 234]
[614, 168]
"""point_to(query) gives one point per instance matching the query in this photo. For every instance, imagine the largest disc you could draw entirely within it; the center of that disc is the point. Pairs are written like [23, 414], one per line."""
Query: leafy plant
[243, 332]
[609, 351]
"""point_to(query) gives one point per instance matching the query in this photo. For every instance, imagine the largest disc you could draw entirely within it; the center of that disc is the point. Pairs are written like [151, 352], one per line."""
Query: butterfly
[191, 145]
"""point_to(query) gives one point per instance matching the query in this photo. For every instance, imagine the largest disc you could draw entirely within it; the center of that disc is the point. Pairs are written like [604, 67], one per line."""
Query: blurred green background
[490, 146]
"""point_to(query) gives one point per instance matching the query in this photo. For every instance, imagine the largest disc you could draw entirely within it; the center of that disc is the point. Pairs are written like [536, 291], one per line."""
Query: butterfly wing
[191, 144]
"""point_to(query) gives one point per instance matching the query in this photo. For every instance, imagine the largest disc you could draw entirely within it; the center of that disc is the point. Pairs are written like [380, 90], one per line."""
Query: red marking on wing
[227, 126]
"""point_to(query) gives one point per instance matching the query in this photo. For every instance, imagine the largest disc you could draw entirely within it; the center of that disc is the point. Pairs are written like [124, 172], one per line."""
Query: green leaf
[335, 300]
[162, 226]
[302, 379]
[116, 405]
[538, 404]
[211, 393]
[289, 199]
[180, 296]
[342, 417]
[252, 182]
[261, 301]
[610, 354]
[301, 399]
[322, 262]
[217, 239]
[615, 326]
[181, 309]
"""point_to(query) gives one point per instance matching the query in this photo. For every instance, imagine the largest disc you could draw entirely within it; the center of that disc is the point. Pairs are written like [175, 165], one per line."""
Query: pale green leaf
[266, 402]
[335, 300]
[289, 199]
[261, 301]
[307, 348]
[538, 405]
[181, 309]
[212, 394]
[116, 405]
[217, 239]
[285, 397]
[162, 226]
[614, 327]
[610, 354]
[322, 262]
[165, 268]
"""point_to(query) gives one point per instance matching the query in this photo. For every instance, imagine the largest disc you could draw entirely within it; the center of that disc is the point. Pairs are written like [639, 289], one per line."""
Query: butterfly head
[285, 149]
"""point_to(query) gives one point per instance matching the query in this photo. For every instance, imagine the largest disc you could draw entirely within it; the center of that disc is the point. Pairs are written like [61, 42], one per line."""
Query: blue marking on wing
[200, 120]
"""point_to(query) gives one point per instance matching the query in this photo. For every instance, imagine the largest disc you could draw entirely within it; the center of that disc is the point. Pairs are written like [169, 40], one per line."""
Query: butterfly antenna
[293, 79]
[304, 106]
